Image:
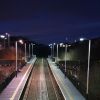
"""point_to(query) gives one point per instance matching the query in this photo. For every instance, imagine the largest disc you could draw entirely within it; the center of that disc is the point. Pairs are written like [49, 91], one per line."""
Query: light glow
[61, 44]
[21, 41]
[2, 36]
[82, 39]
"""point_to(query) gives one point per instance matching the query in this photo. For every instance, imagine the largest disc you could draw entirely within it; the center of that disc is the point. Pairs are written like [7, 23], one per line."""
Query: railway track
[41, 84]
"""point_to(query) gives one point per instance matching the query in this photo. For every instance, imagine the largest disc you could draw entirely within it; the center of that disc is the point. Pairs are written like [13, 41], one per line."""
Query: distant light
[50, 45]
[2, 36]
[5, 38]
[82, 39]
[32, 44]
[54, 43]
[61, 44]
[6, 33]
[75, 41]
[69, 45]
[21, 41]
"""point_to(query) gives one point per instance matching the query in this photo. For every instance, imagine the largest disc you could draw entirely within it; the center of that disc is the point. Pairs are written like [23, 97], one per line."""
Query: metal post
[32, 49]
[8, 40]
[57, 52]
[29, 50]
[16, 59]
[65, 57]
[20, 56]
[4, 43]
[25, 52]
[89, 51]
[53, 50]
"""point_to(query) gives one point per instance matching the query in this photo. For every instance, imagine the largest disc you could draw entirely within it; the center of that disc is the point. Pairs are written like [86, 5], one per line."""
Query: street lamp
[82, 39]
[53, 49]
[8, 38]
[50, 45]
[25, 53]
[61, 44]
[88, 70]
[29, 50]
[65, 57]
[57, 52]
[3, 37]
[16, 46]
[32, 48]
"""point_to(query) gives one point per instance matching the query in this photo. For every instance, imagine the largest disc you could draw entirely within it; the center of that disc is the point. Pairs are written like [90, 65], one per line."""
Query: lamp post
[16, 46]
[50, 45]
[29, 50]
[88, 70]
[53, 49]
[57, 52]
[25, 53]
[16, 59]
[5, 42]
[8, 39]
[32, 48]
[3, 37]
[65, 57]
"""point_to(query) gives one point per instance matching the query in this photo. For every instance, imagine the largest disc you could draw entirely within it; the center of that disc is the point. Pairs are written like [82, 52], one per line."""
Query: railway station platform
[14, 89]
[68, 90]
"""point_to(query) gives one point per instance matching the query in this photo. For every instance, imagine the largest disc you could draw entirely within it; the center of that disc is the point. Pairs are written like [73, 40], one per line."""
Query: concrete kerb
[16, 95]
[57, 81]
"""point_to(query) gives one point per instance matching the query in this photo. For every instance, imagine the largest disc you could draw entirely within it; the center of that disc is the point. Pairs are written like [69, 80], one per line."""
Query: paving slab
[69, 91]
[15, 87]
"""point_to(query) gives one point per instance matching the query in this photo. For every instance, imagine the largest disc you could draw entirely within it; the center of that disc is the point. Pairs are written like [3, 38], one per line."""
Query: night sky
[49, 21]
